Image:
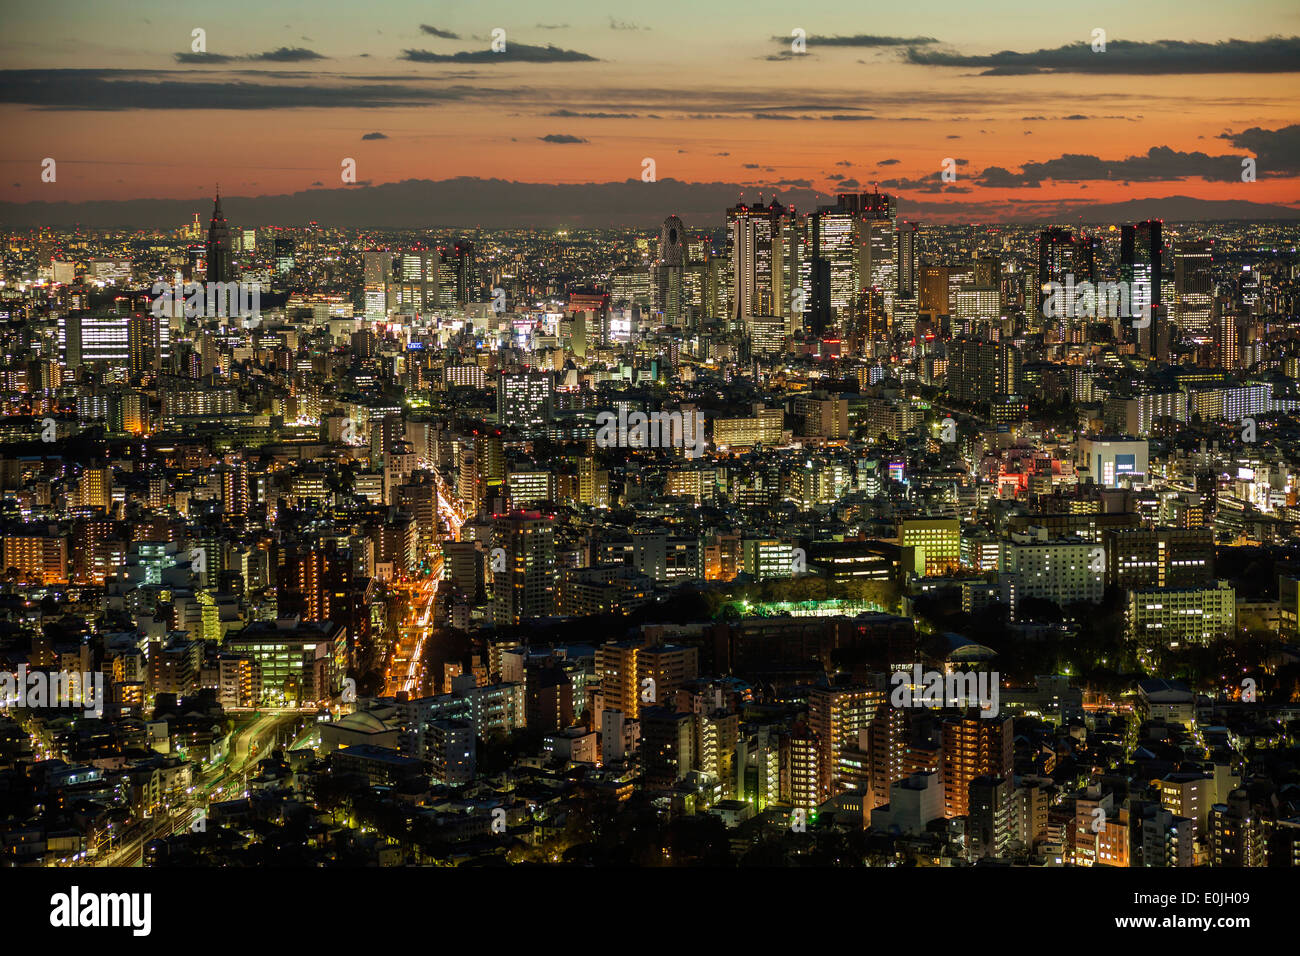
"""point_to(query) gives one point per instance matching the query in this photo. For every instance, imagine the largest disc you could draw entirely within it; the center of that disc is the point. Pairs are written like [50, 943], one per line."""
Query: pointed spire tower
[221, 266]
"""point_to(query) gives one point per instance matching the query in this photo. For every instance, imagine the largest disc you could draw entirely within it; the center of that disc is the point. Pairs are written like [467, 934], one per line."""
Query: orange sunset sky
[1013, 92]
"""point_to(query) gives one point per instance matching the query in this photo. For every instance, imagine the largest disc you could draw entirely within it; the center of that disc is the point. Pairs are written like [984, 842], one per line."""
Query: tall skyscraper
[906, 258]
[466, 275]
[220, 259]
[1141, 263]
[879, 276]
[934, 292]
[283, 253]
[1193, 286]
[417, 285]
[1086, 251]
[144, 347]
[669, 267]
[1055, 263]
[758, 244]
[377, 277]
[851, 249]
[526, 588]
[872, 205]
[835, 266]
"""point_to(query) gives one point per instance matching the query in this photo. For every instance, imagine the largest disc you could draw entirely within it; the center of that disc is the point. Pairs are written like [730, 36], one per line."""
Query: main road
[405, 669]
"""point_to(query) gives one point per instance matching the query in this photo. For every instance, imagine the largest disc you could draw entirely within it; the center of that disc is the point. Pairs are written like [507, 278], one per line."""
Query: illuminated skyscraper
[525, 399]
[906, 259]
[834, 267]
[1193, 286]
[220, 260]
[759, 244]
[377, 276]
[283, 250]
[1141, 262]
[466, 275]
[417, 286]
[1055, 263]
[669, 267]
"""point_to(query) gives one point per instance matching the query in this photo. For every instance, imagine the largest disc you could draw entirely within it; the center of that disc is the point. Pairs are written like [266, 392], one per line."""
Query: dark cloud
[624, 25]
[561, 138]
[514, 52]
[752, 166]
[997, 177]
[570, 114]
[435, 32]
[497, 203]
[204, 58]
[929, 183]
[288, 55]
[284, 54]
[266, 85]
[804, 106]
[801, 183]
[850, 183]
[1276, 150]
[835, 117]
[175, 90]
[864, 40]
[1273, 55]
[374, 136]
[1159, 164]
[887, 162]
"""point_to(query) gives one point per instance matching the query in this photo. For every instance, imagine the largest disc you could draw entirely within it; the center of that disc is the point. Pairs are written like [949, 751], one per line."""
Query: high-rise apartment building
[973, 746]
[526, 588]
[525, 399]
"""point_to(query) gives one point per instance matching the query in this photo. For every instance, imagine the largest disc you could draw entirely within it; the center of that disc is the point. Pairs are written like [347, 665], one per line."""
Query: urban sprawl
[797, 537]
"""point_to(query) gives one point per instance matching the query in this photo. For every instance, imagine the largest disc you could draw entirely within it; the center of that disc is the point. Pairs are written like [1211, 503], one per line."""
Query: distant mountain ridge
[497, 203]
